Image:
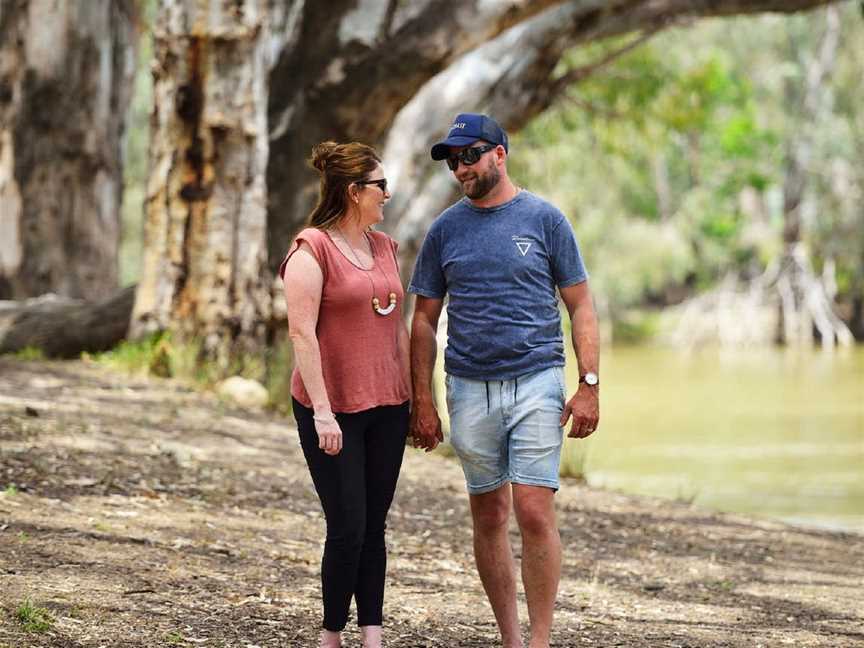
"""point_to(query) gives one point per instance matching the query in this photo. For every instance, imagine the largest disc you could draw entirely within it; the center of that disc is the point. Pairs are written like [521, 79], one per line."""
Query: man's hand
[585, 409]
[425, 425]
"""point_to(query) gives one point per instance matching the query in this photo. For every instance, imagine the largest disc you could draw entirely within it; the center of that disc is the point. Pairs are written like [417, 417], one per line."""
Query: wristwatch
[589, 379]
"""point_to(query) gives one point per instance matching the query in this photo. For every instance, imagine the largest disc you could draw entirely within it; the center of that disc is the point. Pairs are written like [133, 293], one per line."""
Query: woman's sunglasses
[468, 156]
[381, 184]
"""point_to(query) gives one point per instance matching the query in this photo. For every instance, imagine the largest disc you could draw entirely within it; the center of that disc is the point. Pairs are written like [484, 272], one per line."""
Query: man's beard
[483, 184]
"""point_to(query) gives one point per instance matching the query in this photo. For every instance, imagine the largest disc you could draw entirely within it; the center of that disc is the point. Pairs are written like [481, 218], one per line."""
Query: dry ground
[146, 514]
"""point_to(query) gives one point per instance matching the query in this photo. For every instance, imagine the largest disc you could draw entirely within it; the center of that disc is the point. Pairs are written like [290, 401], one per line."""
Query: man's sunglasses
[468, 156]
[381, 184]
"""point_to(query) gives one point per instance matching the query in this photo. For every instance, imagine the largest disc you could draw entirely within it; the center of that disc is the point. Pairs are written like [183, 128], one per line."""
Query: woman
[351, 380]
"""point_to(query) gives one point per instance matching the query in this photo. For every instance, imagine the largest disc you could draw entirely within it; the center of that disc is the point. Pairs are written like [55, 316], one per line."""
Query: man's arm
[425, 423]
[584, 406]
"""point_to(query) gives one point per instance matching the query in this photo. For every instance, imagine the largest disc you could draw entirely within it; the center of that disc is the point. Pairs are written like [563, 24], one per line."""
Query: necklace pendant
[376, 305]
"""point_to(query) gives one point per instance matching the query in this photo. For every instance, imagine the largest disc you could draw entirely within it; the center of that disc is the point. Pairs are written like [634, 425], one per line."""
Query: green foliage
[30, 353]
[10, 490]
[34, 619]
[159, 355]
[279, 362]
[636, 326]
[671, 161]
[574, 456]
[133, 356]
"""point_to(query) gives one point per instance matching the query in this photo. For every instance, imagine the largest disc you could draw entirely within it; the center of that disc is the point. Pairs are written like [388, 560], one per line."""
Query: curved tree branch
[513, 78]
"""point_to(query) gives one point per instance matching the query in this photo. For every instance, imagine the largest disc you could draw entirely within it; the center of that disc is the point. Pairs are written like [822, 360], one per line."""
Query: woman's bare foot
[330, 639]
[371, 636]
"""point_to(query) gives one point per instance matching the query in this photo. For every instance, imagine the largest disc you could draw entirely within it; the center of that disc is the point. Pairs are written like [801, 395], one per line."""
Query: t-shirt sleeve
[394, 247]
[428, 278]
[568, 268]
[312, 238]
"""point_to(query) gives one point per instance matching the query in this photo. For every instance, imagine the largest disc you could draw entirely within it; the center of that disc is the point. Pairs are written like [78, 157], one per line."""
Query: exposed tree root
[788, 304]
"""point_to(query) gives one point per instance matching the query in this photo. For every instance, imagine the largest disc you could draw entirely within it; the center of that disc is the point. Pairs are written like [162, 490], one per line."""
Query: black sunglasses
[381, 184]
[468, 156]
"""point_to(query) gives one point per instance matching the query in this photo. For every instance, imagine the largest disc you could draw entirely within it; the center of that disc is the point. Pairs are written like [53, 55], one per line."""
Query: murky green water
[778, 433]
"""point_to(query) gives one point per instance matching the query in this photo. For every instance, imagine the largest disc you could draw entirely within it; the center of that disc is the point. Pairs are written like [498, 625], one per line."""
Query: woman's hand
[329, 433]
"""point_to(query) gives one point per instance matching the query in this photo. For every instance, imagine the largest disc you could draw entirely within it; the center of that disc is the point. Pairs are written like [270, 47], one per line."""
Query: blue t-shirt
[500, 266]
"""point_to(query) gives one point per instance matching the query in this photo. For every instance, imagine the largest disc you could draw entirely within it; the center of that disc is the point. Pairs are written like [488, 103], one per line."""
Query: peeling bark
[205, 276]
[66, 72]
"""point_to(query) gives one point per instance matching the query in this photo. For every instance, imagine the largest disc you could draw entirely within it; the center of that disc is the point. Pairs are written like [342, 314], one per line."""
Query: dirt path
[145, 514]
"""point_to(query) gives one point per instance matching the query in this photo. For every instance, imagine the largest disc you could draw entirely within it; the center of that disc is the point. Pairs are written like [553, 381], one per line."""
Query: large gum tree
[243, 89]
[66, 71]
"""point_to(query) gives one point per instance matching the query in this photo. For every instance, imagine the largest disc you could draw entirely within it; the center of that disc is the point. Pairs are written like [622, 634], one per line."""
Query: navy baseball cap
[467, 128]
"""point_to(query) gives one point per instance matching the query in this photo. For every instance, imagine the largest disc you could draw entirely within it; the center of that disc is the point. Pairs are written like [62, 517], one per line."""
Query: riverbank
[146, 514]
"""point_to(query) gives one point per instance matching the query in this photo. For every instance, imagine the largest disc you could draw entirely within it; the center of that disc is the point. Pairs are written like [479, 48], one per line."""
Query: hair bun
[321, 154]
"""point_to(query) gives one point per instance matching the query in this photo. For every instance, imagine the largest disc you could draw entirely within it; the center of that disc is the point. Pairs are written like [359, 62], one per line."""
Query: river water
[771, 432]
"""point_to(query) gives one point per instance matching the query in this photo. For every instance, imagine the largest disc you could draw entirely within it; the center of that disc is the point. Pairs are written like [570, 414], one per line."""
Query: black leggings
[356, 488]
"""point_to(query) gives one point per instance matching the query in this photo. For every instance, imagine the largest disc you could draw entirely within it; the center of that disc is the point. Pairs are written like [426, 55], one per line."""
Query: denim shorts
[507, 430]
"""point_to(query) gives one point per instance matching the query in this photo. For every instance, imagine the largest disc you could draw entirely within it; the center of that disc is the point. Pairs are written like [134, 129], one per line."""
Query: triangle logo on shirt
[522, 244]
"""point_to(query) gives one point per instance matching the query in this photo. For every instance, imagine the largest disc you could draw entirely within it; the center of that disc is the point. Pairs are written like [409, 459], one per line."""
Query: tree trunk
[805, 306]
[66, 71]
[788, 298]
[205, 274]
[346, 69]
[64, 328]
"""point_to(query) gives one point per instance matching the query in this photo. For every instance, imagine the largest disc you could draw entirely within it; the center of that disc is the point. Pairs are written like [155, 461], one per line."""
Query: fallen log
[64, 328]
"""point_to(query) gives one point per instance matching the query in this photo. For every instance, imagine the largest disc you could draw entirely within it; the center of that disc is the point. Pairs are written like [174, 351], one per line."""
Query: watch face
[591, 378]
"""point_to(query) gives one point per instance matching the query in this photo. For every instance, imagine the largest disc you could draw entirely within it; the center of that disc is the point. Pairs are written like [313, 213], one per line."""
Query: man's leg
[479, 438]
[541, 557]
[535, 453]
[494, 556]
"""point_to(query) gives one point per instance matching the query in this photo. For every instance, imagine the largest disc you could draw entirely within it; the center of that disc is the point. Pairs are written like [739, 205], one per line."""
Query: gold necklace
[376, 303]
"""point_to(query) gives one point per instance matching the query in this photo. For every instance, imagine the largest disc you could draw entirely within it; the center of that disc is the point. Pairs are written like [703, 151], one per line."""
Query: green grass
[34, 619]
[445, 450]
[159, 355]
[574, 456]
[30, 353]
[133, 357]
[101, 527]
[10, 490]
[636, 327]
[174, 638]
[280, 362]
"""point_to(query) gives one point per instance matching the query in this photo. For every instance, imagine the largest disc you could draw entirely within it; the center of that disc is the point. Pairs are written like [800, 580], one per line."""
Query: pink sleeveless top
[359, 349]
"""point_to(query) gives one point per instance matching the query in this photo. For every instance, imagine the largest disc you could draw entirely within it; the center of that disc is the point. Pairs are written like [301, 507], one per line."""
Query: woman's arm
[304, 281]
[404, 344]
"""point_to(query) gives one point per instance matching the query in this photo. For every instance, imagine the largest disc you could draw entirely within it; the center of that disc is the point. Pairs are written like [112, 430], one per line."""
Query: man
[499, 254]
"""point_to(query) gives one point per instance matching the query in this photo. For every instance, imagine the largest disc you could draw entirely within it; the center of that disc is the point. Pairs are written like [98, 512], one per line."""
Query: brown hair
[339, 166]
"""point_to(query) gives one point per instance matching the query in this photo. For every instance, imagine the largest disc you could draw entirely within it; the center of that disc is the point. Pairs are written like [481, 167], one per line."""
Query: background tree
[65, 82]
[385, 72]
[204, 269]
[672, 162]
